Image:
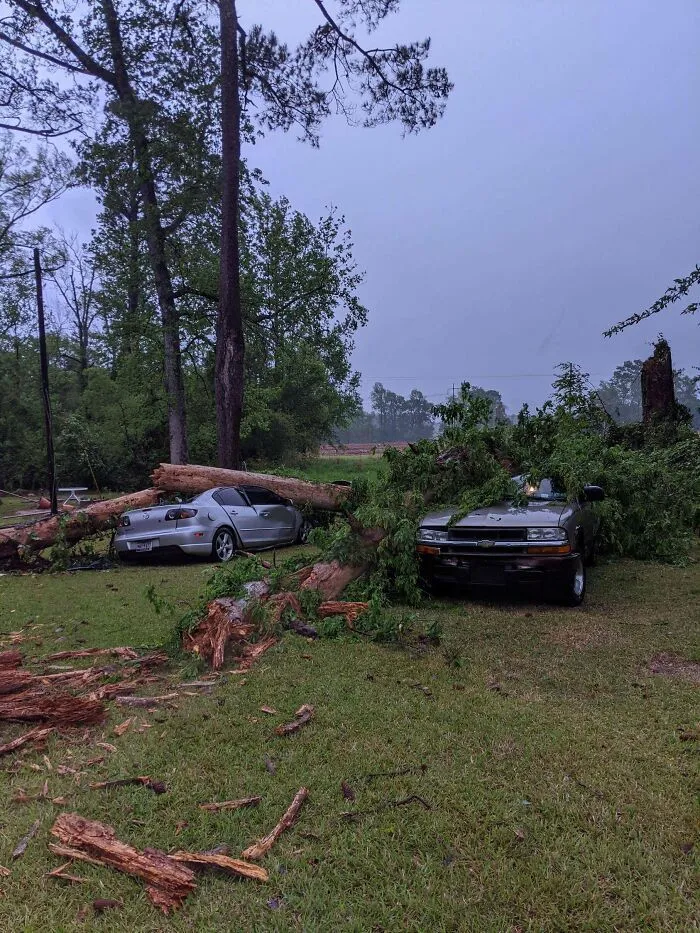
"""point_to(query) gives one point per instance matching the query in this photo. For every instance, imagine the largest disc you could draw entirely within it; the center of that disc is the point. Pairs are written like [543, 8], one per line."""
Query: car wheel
[574, 590]
[304, 530]
[224, 545]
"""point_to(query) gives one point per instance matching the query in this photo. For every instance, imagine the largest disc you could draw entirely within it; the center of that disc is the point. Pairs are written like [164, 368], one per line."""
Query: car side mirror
[593, 494]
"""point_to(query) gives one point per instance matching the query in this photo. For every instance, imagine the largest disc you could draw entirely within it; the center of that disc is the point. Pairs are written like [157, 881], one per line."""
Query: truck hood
[503, 515]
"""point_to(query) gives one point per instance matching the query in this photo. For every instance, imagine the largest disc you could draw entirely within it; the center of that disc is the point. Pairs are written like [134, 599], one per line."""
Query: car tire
[573, 592]
[224, 545]
[304, 529]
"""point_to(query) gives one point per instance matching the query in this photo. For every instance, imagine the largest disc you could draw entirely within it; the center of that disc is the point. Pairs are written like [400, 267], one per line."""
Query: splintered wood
[231, 804]
[169, 881]
[263, 846]
[233, 866]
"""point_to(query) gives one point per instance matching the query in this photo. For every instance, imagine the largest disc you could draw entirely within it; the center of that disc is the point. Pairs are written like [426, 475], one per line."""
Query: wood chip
[107, 746]
[64, 875]
[231, 804]
[21, 846]
[271, 711]
[263, 846]
[4, 872]
[120, 729]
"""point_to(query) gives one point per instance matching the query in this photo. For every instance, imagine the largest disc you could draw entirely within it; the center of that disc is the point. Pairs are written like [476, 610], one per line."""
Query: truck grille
[488, 534]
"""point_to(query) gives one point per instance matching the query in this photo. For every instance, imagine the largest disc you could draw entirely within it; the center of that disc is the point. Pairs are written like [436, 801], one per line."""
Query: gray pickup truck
[548, 541]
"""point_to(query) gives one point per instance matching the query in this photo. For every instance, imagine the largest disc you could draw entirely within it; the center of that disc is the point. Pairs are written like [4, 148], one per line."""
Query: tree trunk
[230, 345]
[98, 517]
[155, 240]
[192, 479]
[658, 395]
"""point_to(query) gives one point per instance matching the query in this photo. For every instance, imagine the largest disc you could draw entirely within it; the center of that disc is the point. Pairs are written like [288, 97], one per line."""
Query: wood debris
[145, 701]
[169, 881]
[350, 611]
[128, 654]
[21, 846]
[105, 903]
[271, 711]
[4, 872]
[10, 659]
[61, 872]
[302, 716]
[251, 653]
[39, 734]
[225, 863]
[231, 804]
[263, 846]
[120, 729]
[158, 787]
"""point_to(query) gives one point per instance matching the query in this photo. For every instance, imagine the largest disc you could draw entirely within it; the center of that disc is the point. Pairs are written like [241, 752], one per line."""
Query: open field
[561, 793]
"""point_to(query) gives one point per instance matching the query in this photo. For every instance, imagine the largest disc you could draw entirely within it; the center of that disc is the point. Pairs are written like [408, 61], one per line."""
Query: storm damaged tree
[266, 86]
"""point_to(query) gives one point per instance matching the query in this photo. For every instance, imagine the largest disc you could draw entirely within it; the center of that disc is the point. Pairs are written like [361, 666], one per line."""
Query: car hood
[503, 515]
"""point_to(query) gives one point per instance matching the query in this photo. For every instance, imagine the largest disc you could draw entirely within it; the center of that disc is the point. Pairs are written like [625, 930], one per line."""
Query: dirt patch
[671, 665]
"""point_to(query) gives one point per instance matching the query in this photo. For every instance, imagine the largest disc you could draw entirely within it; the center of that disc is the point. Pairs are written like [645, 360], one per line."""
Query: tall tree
[133, 55]
[266, 86]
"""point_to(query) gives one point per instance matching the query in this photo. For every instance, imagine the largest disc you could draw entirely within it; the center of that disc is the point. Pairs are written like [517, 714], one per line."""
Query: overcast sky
[559, 194]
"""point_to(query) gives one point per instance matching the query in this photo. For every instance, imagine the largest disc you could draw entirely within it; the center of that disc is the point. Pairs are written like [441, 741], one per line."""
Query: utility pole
[46, 398]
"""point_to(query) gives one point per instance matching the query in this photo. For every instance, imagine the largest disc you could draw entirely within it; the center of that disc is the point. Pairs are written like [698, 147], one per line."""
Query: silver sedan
[215, 523]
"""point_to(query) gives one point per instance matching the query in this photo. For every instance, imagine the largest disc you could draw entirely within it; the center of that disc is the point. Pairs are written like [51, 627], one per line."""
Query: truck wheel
[574, 590]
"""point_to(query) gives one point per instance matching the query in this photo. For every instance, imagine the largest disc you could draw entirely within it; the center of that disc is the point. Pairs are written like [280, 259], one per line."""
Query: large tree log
[193, 479]
[99, 516]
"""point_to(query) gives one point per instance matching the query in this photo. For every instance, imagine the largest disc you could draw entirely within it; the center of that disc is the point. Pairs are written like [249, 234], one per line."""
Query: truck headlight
[557, 535]
[431, 534]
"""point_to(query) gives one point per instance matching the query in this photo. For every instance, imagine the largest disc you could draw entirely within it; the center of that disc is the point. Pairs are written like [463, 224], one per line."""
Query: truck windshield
[547, 490]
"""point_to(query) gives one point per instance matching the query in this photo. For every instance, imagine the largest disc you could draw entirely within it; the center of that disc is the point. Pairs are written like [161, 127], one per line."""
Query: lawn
[561, 794]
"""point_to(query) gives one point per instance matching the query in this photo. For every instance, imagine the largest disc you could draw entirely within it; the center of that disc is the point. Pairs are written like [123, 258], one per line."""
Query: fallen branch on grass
[263, 846]
[169, 882]
[302, 716]
[127, 654]
[146, 701]
[231, 804]
[233, 866]
[52, 706]
[158, 787]
[39, 734]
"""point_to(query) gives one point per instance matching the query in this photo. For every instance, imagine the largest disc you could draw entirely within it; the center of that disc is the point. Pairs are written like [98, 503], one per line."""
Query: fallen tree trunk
[192, 479]
[18, 540]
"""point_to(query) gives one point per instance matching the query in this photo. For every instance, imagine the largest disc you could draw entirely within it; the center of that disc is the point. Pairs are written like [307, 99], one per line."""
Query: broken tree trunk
[658, 394]
[169, 882]
[18, 540]
[193, 479]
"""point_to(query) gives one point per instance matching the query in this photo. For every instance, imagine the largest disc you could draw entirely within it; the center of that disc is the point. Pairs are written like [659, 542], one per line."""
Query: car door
[242, 516]
[276, 516]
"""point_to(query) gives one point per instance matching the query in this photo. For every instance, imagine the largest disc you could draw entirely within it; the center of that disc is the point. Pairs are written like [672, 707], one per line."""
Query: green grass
[561, 795]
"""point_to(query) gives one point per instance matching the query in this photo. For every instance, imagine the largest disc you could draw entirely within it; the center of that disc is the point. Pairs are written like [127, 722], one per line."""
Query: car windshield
[547, 490]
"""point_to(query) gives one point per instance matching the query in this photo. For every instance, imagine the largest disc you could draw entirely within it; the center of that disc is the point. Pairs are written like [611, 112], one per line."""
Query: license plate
[144, 545]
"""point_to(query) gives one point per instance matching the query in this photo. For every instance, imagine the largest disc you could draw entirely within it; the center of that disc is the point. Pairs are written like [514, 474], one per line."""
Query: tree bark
[658, 394]
[98, 517]
[193, 479]
[155, 240]
[230, 344]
